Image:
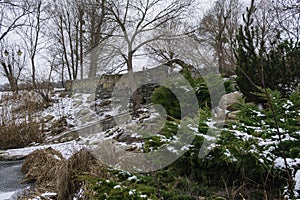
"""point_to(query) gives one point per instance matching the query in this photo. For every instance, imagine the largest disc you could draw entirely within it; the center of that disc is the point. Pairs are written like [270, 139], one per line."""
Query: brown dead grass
[41, 166]
[60, 175]
[20, 123]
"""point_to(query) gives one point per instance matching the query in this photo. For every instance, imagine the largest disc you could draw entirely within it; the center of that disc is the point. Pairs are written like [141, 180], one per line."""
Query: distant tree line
[75, 39]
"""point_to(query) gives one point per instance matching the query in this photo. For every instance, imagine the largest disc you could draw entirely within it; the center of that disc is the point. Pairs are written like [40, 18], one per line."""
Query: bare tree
[217, 31]
[287, 17]
[66, 34]
[12, 62]
[13, 15]
[164, 51]
[79, 27]
[172, 52]
[141, 22]
[98, 29]
[32, 34]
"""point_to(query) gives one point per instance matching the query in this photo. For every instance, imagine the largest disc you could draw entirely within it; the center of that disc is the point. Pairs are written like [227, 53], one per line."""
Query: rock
[220, 114]
[93, 106]
[228, 100]
[77, 96]
[48, 118]
[105, 103]
[3, 155]
[72, 135]
[90, 129]
[124, 137]
[83, 111]
[144, 116]
[2, 152]
[86, 118]
[108, 123]
[131, 148]
[225, 117]
[77, 102]
[91, 98]
[233, 114]
[106, 96]
[64, 94]
[68, 85]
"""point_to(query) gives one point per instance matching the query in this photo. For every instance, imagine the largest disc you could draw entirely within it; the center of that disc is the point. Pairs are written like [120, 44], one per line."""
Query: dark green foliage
[246, 151]
[155, 141]
[203, 88]
[275, 66]
[283, 67]
[275, 130]
[166, 98]
[295, 98]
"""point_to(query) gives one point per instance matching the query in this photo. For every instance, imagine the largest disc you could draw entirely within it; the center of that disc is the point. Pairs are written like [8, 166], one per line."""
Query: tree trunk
[33, 71]
[13, 82]
[135, 96]
[81, 22]
[93, 63]
[81, 50]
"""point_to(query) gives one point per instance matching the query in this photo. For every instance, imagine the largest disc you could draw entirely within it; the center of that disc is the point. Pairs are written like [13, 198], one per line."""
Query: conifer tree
[265, 64]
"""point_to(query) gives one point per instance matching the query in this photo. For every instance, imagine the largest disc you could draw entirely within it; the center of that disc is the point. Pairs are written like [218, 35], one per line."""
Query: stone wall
[104, 85]
[92, 85]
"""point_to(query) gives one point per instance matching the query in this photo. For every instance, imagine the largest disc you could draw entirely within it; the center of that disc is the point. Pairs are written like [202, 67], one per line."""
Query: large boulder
[228, 100]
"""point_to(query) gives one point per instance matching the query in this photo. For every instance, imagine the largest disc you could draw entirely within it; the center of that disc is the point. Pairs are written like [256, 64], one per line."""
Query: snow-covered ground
[7, 195]
[67, 149]
[80, 111]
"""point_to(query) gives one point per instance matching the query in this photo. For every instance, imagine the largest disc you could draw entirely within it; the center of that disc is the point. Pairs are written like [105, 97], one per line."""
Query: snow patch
[66, 149]
[6, 195]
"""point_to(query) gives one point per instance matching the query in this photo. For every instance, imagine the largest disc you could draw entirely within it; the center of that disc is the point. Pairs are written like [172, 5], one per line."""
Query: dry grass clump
[41, 166]
[20, 124]
[14, 135]
[53, 173]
